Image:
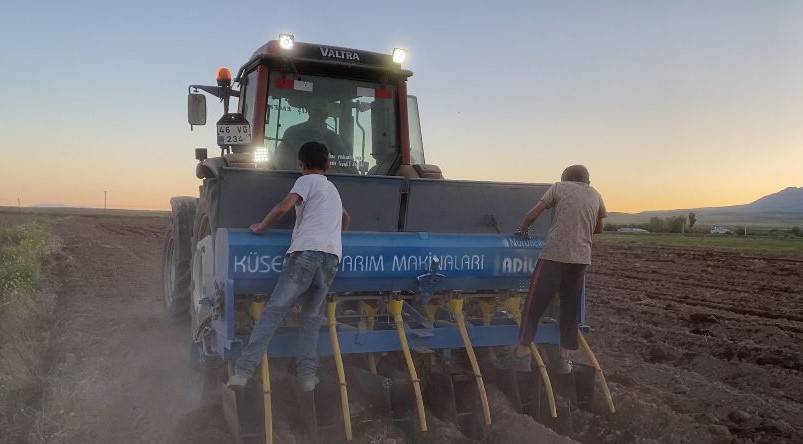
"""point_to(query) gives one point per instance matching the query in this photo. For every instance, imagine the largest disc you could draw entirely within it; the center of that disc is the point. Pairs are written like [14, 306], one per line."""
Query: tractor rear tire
[207, 376]
[202, 226]
[177, 257]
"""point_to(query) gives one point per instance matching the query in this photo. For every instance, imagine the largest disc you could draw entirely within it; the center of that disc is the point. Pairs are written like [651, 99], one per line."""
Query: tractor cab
[355, 102]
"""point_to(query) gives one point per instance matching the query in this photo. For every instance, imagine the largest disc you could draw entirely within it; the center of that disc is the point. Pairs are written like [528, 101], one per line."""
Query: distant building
[631, 230]
[720, 230]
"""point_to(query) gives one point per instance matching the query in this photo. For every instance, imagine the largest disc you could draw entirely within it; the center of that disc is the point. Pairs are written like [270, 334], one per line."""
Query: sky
[670, 104]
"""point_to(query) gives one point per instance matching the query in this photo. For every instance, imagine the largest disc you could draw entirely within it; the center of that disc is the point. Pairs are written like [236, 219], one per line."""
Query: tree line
[673, 224]
[685, 223]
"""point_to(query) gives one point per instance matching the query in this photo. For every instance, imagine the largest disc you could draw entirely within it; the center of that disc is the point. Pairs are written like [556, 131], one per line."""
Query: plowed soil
[699, 346]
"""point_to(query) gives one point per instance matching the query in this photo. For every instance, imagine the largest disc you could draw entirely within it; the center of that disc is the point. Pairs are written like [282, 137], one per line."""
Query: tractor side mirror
[196, 109]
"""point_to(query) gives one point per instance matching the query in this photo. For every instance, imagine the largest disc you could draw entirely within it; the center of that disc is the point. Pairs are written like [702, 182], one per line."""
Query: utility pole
[104, 199]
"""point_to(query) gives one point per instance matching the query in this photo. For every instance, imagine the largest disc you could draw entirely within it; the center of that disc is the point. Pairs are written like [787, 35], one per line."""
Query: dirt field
[698, 346]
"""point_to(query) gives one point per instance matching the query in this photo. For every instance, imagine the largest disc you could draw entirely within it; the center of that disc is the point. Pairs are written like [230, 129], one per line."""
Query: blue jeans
[305, 277]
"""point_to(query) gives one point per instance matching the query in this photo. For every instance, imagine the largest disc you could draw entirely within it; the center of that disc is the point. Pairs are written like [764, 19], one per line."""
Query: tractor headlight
[399, 55]
[286, 41]
[261, 155]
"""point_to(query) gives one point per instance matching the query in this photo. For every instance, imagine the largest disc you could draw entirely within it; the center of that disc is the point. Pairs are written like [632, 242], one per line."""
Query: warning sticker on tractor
[365, 92]
[228, 134]
[300, 85]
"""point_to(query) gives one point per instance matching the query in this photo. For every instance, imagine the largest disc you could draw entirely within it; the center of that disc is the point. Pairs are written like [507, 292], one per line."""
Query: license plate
[233, 134]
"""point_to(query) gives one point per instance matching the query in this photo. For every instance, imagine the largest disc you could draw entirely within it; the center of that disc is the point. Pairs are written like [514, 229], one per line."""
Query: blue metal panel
[379, 263]
[354, 342]
[382, 262]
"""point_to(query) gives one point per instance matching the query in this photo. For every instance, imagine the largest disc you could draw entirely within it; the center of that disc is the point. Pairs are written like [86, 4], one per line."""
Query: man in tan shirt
[560, 270]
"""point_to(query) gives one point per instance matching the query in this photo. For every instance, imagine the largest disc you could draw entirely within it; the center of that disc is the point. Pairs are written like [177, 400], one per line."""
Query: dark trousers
[551, 278]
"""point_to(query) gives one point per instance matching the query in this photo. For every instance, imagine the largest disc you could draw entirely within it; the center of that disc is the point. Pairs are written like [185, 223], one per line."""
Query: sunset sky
[670, 104]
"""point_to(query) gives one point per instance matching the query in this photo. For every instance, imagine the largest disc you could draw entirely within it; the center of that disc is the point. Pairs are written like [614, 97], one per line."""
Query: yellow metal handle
[395, 307]
[341, 374]
[513, 307]
[266, 400]
[487, 306]
[456, 307]
[553, 411]
[369, 310]
[598, 370]
[256, 312]
[431, 309]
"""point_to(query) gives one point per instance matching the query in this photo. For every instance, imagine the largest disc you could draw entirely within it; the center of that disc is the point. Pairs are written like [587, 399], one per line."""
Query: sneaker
[308, 383]
[562, 367]
[513, 362]
[236, 381]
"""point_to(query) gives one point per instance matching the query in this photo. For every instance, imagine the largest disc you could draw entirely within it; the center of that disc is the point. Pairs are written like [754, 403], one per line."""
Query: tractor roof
[324, 58]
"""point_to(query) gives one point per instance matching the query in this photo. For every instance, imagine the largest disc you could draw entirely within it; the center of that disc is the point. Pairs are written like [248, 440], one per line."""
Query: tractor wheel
[177, 256]
[201, 284]
[203, 221]
[207, 376]
[202, 228]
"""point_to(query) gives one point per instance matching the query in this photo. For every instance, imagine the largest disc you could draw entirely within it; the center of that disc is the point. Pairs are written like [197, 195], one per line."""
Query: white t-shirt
[319, 216]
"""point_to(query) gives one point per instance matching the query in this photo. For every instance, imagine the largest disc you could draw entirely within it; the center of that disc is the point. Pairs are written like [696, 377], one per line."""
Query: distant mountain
[790, 199]
[781, 209]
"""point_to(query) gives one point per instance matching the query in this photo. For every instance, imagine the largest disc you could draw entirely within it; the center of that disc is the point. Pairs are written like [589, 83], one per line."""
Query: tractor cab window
[355, 119]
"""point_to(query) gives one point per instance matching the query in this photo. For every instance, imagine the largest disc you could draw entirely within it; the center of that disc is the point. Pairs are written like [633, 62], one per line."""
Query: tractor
[430, 283]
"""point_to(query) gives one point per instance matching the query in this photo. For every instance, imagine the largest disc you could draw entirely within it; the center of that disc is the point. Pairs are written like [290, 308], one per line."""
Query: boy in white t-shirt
[308, 270]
